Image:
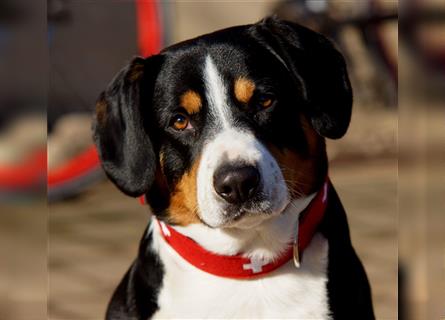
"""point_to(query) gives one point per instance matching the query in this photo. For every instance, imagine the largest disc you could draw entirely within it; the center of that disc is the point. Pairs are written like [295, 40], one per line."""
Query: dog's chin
[248, 219]
[251, 219]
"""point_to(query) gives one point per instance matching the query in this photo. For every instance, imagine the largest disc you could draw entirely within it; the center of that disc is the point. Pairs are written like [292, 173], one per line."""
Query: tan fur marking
[302, 173]
[191, 101]
[136, 72]
[244, 89]
[184, 201]
[313, 138]
[161, 160]
[101, 111]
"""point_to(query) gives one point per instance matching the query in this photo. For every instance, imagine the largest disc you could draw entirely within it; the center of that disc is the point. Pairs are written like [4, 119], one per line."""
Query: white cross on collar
[164, 229]
[256, 265]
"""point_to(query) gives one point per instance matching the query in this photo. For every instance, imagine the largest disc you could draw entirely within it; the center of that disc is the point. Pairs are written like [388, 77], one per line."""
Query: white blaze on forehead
[216, 92]
[229, 144]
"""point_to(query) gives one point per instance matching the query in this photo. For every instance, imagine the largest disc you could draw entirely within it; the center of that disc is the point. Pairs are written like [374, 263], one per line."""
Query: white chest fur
[285, 293]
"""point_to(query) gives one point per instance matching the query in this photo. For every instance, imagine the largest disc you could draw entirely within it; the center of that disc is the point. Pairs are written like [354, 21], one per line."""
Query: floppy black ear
[318, 69]
[120, 127]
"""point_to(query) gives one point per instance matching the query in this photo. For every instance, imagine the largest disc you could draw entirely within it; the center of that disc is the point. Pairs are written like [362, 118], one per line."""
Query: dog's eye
[266, 101]
[180, 122]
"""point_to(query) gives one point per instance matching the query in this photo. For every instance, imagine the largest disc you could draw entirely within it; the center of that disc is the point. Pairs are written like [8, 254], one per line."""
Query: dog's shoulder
[348, 288]
[136, 295]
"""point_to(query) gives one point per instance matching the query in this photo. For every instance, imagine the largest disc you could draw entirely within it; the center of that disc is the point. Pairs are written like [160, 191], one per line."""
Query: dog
[224, 136]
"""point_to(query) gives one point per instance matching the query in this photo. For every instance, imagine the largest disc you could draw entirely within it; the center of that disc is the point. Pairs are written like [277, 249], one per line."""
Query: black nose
[236, 184]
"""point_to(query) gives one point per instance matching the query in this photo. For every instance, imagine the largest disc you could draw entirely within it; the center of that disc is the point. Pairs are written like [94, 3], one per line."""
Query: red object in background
[150, 31]
[72, 176]
[28, 174]
[76, 167]
[84, 165]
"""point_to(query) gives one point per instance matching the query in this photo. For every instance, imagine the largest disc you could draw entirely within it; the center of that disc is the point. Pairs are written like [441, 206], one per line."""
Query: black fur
[304, 74]
[318, 70]
[313, 82]
[122, 136]
[348, 287]
[136, 296]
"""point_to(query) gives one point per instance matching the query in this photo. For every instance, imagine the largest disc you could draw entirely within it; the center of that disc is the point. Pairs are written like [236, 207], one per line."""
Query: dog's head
[228, 128]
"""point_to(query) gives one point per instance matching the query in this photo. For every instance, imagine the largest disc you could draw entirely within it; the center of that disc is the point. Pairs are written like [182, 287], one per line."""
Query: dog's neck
[266, 241]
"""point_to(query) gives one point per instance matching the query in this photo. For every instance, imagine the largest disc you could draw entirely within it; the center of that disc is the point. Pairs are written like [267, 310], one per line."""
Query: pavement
[23, 263]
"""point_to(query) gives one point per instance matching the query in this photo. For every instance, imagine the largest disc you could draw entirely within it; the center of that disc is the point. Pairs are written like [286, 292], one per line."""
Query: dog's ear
[121, 126]
[318, 69]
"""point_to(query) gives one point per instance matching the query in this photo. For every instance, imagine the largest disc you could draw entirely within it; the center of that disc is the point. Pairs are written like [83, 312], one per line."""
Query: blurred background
[67, 235]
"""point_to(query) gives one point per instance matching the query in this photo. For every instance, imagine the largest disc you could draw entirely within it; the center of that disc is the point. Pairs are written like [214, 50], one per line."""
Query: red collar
[237, 266]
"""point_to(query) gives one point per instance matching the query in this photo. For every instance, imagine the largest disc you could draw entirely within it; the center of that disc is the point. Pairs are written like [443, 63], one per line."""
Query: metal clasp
[296, 252]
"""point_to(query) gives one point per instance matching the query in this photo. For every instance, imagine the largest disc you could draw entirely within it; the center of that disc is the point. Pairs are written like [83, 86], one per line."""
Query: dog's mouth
[245, 220]
[251, 219]
[252, 216]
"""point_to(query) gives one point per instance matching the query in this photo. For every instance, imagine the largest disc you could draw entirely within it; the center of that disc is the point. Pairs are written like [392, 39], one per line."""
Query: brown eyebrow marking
[136, 72]
[191, 101]
[302, 173]
[101, 110]
[244, 89]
